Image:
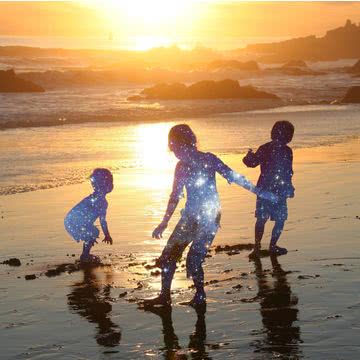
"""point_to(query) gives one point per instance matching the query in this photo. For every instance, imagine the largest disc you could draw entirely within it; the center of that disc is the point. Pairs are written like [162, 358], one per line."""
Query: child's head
[181, 138]
[102, 180]
[282, 131]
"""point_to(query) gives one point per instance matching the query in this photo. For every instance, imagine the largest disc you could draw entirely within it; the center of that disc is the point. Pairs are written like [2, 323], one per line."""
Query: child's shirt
[198, 178]
[87, 211]
[275, 160]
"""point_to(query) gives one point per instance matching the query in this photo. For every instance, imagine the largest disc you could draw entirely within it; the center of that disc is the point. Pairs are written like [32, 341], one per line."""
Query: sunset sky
[173, 20]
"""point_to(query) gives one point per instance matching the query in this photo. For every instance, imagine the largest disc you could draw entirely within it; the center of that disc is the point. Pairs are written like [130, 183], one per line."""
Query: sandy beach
[302, 305]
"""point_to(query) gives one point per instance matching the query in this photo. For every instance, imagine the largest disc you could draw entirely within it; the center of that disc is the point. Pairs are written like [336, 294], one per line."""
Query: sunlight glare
[144, 12]
[152, 146]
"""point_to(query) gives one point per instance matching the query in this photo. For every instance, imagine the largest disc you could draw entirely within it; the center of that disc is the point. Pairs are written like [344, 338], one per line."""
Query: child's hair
[283, 131]
[102, 180]
[182, 135]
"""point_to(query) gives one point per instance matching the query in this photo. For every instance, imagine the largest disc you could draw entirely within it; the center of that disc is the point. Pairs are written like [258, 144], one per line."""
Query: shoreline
[150, 115]
[317, 148]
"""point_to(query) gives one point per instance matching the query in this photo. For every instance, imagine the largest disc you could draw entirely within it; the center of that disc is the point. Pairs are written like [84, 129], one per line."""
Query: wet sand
[302, 305]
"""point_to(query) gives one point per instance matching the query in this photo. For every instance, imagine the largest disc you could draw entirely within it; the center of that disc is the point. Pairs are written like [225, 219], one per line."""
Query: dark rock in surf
[352, 96]
[206, 89]
[234, 65]
[12, 262]
[10, 82]
[30, 277]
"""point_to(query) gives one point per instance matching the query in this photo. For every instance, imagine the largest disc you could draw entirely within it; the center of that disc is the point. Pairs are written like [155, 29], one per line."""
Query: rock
[206, 89]
[30, 277]
[292, 69]
[123, 294]
[150, 267]
[155, 273]
[237, 287]
[295, 63]
[135, 98]
[352, 96]
[12, 262]
[10, 82]
[355, 69]
[304, 277]
[227, 271]
[237, 247]
[234, 64]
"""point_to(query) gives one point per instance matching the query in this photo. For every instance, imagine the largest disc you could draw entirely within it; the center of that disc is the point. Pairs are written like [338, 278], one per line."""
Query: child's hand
[157, 233]
[108, 240]
[267, 195]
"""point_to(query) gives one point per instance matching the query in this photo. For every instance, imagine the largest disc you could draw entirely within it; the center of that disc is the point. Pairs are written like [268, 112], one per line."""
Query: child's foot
[254, 254]
[198, 300]
[277, 250]
[160, 300]
[90, 259]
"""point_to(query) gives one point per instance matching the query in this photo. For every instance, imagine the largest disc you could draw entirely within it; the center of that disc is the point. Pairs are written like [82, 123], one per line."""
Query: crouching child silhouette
[200, 220]
[79, 222]
[275, 159]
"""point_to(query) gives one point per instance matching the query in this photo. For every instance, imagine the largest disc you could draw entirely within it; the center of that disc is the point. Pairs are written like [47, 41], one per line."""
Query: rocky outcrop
[355, 69]
[207, 89]
[352, 96]
[295, 64]
[10, 82]
[233, 65]
[340, 43]
[295, 68]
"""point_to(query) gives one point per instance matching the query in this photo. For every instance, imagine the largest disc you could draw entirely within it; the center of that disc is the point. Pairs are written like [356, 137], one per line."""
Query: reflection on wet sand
[279, 313]
[196, 347]
[91, 299]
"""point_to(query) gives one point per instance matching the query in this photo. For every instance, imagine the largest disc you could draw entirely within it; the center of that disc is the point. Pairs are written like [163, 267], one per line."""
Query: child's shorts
[275, 211]
[190, 230]
[78, 232]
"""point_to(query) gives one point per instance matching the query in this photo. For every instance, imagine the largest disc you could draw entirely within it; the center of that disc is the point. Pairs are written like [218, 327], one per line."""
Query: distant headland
[339, 43]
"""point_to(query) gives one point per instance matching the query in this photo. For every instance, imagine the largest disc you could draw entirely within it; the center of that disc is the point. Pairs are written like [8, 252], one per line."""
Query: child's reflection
[278, 311]
[196, 347]
[91, 299]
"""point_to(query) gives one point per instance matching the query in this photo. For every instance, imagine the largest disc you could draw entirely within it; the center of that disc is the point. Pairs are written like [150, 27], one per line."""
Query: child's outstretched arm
[175, 196]
[104, 226]
[233, 177]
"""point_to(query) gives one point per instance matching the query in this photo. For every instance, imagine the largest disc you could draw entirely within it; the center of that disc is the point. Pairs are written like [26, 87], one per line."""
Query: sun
[144, 24]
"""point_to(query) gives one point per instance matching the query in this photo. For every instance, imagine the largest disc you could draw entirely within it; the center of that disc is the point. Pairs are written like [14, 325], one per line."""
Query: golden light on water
[151, 149]
[152, 146]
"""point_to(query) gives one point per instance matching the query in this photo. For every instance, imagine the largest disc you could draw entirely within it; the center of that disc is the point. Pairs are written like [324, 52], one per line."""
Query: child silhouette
[275, 159]
[79, 222]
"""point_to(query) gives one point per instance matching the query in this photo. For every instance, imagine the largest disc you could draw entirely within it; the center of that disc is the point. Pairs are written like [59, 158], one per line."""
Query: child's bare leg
[198, 278]
[195, 270]
[167, 275]
[86, 250]
[277, 230]
[259, 232]
[164, 298]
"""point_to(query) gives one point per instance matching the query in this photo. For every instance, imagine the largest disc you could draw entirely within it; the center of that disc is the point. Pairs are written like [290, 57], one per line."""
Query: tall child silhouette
[275, 159]
[200, 219]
